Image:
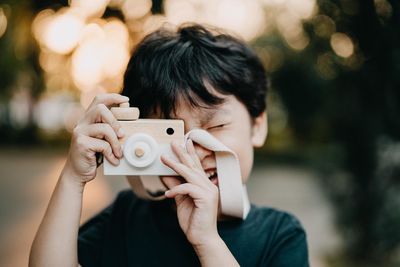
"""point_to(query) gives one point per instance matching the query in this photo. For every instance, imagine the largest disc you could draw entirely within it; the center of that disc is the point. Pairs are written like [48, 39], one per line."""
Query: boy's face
[230, 123]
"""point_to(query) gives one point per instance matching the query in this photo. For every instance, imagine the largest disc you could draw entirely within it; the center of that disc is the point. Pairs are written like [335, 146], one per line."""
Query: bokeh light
[134, 9]
[63, 32]
[83, 50]
[383, 8]
[342, 45]
[323, 105]
[90, 8]
[102, 53]
[324, 26]
[79, 49]
[3, 22]
[232, 16]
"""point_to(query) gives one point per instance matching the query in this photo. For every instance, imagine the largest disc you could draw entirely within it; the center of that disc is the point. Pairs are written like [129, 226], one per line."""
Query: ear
[259, 130]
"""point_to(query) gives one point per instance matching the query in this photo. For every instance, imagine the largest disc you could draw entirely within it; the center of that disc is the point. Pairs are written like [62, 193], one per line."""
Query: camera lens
[170, 131]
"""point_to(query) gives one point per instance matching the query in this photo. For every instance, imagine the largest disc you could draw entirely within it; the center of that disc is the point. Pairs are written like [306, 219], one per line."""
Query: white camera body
[144, 142]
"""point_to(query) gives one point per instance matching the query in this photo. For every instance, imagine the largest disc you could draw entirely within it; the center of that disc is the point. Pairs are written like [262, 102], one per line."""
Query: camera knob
[140, 150]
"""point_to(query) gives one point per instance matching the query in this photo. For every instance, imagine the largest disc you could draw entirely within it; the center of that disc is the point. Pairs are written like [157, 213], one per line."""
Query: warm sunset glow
[302, 9]
[51, 62]
[232, 15]
[154, 22]
[180, 11]
[102, 53]
[90, 8]
[134, 9]
[63, 32]
[87, 63]
[82, 50]
[40, 24]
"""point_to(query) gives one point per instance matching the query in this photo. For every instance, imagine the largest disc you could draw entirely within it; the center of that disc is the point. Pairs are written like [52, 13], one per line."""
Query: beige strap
[233, 194]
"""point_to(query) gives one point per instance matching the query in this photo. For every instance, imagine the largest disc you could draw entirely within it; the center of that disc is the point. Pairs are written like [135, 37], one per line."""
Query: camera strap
[234, 200]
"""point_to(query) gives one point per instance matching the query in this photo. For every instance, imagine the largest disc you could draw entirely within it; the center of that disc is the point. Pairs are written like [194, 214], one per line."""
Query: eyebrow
[209, 115]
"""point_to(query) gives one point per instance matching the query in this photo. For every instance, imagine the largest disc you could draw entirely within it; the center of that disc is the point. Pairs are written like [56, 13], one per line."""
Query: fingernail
[178, 144]
[167, 192]
[121, 132]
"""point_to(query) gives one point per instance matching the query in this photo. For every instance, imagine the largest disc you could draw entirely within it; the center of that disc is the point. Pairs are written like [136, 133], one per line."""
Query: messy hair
[193, 63]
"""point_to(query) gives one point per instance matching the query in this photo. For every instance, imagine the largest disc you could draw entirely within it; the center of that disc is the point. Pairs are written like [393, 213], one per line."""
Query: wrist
[209, 244]
[69, 179]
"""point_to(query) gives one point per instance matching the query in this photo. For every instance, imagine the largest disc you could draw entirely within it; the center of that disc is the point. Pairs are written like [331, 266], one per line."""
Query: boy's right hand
[97, 131]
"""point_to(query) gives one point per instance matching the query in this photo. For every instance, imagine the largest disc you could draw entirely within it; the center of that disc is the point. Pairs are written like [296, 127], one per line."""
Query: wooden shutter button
[139, 152]
[125, 113]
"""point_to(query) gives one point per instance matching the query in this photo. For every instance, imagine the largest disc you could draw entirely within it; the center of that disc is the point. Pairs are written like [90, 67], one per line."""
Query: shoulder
[277, 226]
[285, 235]
[273, 238]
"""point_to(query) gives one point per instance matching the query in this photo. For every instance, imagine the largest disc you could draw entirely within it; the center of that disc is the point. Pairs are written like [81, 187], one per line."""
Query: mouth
[212, 175]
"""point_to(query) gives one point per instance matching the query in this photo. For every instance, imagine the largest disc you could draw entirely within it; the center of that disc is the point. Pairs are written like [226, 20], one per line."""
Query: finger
[192, 190]
[190, 175]
[104, 131]
[101, 113]
[182, 155]
[109, 99]
[192, 152]
[97, 145]
[170, 181]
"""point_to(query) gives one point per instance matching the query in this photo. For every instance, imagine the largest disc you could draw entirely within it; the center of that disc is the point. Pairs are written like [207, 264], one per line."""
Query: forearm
[55, 243]
[215, 253]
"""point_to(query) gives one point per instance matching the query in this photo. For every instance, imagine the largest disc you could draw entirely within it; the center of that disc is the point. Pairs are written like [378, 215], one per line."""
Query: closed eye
[217, 126]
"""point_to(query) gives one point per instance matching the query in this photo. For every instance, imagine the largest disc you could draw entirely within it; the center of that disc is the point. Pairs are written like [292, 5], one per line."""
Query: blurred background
[332, 157]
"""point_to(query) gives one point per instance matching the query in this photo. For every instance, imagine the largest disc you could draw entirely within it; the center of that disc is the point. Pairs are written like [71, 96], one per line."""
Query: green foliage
[354, 103]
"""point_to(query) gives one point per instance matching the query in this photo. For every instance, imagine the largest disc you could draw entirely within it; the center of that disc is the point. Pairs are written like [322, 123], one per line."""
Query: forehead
[201, 114]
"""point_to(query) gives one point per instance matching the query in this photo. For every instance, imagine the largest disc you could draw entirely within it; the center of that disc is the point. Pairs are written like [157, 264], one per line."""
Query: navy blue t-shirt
[137, 232]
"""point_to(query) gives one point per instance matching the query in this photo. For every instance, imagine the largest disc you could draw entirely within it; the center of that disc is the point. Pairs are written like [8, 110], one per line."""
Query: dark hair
[167, 65]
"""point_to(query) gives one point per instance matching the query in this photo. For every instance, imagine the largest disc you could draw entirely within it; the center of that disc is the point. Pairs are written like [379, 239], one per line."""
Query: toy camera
[144, 142]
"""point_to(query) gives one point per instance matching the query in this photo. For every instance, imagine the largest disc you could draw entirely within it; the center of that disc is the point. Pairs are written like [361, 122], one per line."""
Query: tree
[352, 102]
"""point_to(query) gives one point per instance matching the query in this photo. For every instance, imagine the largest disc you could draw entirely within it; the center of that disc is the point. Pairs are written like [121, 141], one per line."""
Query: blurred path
[29, 176]
[27, 180]
[297, 191]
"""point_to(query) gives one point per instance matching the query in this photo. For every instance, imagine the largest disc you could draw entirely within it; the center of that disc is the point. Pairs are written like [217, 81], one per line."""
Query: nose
[202, 152]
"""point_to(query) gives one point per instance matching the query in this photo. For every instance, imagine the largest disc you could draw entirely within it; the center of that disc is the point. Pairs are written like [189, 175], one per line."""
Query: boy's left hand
[196, 200]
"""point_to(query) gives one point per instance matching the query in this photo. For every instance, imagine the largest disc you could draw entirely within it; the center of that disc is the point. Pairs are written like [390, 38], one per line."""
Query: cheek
[240, 143]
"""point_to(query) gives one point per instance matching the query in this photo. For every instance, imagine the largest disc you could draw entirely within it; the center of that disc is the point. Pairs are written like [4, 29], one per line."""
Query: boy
[210, 81]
